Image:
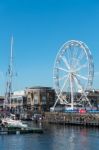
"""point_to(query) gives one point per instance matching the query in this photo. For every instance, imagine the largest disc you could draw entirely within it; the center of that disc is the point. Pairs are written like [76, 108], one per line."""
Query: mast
[9, 78]
[11, 71]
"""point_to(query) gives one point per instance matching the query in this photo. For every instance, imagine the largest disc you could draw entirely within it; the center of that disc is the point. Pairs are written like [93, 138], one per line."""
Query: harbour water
[55, 137]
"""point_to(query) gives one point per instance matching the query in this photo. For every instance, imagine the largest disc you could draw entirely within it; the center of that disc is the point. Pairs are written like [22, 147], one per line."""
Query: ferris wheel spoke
[84, 94]
[80, 86]
[59, 79]
[81, 67]
[82, 77]
[66, 62]
[82, 54]
[75, 52]
[62, 78]
[77, 83]
[64, 85]
[69, 55]
[59, 68]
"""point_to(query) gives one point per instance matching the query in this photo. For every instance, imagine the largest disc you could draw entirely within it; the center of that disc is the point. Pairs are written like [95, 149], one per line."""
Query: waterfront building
[18, 102]
[94, 98]
[1, 102]
[39, 98]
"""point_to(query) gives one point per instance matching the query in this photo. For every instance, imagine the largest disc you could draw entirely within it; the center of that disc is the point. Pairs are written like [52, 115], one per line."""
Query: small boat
[11, 126]
[12, 122]
[9, 122]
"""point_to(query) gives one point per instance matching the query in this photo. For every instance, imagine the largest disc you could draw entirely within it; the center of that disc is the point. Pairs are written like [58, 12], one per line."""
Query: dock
[77, 119]
[8, 131]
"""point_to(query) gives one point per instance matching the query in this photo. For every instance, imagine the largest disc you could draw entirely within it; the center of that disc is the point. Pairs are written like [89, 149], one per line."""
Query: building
[18, 102]
[39, 98]
[93, 96]
[1, 102]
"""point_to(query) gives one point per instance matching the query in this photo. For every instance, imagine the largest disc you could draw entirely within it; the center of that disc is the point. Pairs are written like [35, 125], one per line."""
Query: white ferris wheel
[73, 72]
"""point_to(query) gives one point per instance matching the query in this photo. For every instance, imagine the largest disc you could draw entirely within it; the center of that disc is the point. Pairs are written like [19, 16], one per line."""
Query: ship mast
[11, 71]
[9, 78]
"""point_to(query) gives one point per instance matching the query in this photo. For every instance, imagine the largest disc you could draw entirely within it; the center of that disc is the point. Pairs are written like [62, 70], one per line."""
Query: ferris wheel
[73, 73]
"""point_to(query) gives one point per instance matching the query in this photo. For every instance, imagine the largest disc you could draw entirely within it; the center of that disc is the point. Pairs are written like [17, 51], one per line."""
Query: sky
[39, 29]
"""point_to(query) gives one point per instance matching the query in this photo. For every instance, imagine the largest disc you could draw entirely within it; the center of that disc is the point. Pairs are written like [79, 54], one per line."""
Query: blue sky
[39, 28]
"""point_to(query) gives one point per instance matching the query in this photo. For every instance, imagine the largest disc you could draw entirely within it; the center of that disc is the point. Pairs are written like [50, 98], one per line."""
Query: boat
[10, 122]
[9, 125]
[13, 123]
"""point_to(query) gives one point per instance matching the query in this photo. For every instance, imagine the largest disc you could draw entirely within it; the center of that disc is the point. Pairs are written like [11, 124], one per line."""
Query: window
[36, 100]
[43, 100]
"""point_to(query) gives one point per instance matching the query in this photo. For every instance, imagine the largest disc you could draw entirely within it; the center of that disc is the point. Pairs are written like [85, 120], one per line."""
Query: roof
[40, 87]
[1, 97]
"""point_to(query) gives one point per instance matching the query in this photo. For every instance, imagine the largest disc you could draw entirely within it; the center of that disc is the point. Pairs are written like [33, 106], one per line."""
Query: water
[54, 138]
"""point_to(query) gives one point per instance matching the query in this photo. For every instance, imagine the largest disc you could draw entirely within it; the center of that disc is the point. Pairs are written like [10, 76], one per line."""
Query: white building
[17, 101]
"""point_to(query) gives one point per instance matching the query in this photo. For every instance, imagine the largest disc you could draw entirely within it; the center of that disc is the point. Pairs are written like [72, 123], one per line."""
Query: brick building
[40, 98]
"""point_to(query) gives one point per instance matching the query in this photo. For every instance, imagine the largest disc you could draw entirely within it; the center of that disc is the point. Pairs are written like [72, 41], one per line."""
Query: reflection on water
[54, 138]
